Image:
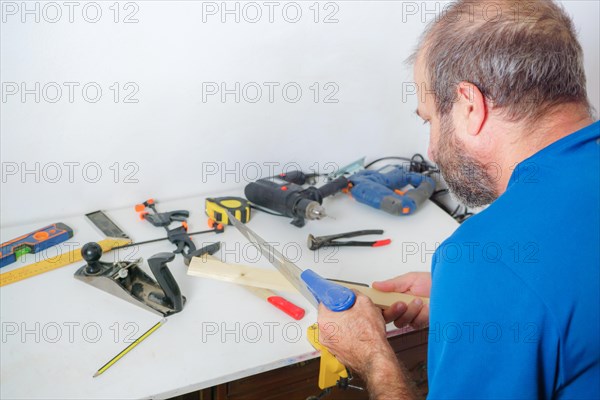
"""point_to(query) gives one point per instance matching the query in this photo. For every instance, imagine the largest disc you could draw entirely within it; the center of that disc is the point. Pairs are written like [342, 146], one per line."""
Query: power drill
[381, 189]
[285, 195]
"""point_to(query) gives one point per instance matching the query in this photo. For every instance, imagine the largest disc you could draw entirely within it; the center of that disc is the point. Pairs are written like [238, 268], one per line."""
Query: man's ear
[472, 107]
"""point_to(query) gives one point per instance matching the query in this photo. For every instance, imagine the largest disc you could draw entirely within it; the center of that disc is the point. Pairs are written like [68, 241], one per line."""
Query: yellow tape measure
[215, 209]
[55, 262]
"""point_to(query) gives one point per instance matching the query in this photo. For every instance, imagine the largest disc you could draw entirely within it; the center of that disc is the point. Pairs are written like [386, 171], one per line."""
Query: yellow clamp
[331, 371]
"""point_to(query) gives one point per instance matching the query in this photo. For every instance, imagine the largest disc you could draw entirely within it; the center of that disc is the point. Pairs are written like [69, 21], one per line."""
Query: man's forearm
[387, 379]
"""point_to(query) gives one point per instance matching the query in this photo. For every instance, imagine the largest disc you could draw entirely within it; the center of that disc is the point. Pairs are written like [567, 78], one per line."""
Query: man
[514, 309]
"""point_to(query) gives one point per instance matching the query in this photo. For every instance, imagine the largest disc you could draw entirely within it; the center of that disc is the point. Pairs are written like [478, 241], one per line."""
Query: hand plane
[127, 280]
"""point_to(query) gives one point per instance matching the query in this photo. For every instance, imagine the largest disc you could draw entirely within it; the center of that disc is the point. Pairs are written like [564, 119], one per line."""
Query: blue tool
[34, 242]
[381, 189]
[312, 286]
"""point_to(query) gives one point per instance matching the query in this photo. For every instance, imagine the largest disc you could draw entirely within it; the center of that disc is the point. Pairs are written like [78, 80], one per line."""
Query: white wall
[164, 145]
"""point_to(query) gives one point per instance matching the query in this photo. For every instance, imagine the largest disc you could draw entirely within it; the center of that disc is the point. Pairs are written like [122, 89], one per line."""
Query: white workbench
[57, 331]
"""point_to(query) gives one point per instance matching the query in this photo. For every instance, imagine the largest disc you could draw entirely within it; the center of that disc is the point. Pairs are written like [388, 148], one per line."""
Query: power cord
[417, 163]
[265, 210]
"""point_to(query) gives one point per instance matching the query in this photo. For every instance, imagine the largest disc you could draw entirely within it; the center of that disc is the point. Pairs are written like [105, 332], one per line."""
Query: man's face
[467, 177]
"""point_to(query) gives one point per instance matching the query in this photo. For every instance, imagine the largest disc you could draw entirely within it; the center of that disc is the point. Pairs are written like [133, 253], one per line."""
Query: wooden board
[213, 268]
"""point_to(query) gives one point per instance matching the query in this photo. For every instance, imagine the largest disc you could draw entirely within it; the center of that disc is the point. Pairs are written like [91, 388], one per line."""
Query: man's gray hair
[523, 56]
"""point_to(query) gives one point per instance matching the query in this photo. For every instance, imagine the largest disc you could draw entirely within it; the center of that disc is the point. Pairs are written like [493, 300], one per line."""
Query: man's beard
[467, 178]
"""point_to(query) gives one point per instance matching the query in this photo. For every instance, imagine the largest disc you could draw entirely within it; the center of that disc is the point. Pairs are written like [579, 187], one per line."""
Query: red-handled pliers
[315, 243]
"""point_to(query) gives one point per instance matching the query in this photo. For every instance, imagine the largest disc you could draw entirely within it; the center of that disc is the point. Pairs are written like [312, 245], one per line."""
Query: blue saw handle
[333, 296]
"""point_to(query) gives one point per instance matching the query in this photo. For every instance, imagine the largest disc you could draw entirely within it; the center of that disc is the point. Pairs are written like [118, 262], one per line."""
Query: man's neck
[523, 141]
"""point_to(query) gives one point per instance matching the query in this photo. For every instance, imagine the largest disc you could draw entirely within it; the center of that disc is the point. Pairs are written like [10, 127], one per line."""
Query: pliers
[315, 243]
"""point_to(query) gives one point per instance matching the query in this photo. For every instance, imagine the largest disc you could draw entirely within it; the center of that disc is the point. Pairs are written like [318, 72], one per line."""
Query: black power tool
[284, 194]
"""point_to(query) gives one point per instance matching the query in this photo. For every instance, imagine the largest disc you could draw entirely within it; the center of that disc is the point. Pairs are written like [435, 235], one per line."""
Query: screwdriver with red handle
[284, 305]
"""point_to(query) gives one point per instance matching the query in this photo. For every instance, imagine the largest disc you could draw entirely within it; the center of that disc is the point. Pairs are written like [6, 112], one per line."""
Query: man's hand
[415, 314]
[355, 336]
[358, 339]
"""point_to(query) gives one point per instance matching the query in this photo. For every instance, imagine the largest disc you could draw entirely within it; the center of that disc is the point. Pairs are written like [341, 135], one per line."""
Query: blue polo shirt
[516, 289]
